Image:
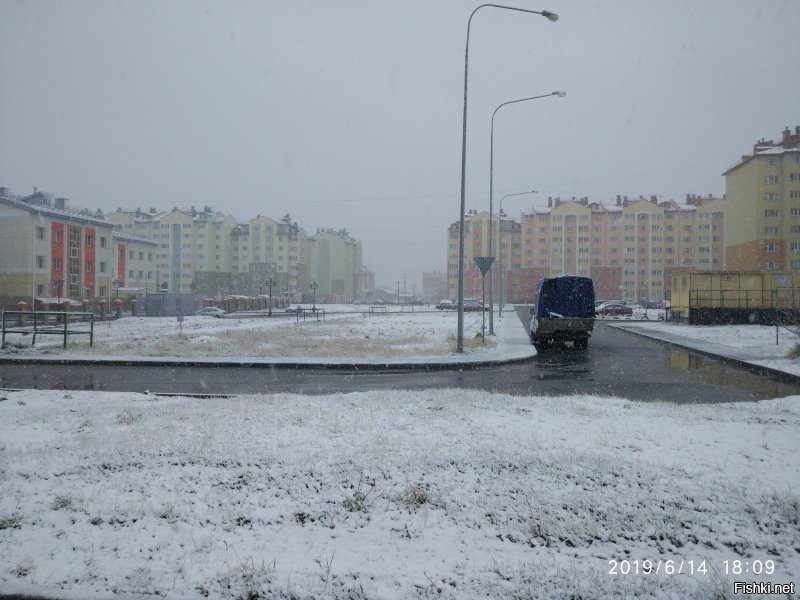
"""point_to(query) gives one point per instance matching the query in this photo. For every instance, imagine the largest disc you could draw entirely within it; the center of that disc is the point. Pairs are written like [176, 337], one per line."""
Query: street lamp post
[269, 283]
[116, 284]
[58, 282]
[551, 17]
[491, 196]
[500, 250]
[314, 285]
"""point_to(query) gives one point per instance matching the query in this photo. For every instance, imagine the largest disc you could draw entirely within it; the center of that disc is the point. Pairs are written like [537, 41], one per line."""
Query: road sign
[484, 263]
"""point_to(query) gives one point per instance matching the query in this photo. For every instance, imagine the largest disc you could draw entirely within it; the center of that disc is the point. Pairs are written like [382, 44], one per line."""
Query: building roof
[789, 144]
[40, 203]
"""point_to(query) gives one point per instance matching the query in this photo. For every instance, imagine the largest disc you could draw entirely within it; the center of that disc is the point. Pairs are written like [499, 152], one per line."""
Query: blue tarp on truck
[563, 312]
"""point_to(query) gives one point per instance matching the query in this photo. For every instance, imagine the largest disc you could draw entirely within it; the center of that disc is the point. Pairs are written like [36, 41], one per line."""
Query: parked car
[210, 311]
[613, 309]
[474, 306]
[294, 309]
[446, 305]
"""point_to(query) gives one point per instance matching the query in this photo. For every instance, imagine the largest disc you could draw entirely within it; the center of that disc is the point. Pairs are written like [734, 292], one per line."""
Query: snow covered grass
[342, 335]
[437, 494]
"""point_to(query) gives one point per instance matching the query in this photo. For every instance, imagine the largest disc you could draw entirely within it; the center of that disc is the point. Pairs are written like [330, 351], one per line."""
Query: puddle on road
[678, 367]
[564, 364]
[715, 372]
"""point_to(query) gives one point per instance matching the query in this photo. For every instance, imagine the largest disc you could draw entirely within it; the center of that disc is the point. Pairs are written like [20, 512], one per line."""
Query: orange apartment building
[630, 247]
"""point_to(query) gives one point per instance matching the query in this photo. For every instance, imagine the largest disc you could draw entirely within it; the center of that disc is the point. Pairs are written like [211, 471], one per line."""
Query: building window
[770, 231]
[794, 177]
[88, 240]
[40, 232]
[794, 194]
[102, 269]
[771, 196]
[40, 262]
[771, 214]
[102, 242]
[771, 264]
[771, 248]
[771, 179]
[795, 212]
[89, 266]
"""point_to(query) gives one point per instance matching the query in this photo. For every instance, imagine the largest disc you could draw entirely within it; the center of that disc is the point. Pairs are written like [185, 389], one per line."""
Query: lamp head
[550, 15]
[560, 94]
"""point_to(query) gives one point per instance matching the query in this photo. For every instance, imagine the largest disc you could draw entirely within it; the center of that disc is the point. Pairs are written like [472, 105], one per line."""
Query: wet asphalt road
[616, 364]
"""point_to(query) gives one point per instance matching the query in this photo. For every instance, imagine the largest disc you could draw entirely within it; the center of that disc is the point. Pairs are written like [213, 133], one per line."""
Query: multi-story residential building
[630, 248]
[50, 251]
[194, 251]
[335, 265]
[434, 286]
[367, 280]
[133, 269]
[476, 243]
[213, 252]
[264, 248]
[763, 198]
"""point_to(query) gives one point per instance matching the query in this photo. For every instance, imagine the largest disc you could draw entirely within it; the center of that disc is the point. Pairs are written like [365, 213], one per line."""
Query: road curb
[255, 364]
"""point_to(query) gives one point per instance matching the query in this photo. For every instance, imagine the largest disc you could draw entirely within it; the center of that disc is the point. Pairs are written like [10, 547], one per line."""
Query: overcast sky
[348, 114]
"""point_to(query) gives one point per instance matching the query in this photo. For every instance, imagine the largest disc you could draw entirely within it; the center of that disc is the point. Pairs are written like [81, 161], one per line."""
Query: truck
[563, 312]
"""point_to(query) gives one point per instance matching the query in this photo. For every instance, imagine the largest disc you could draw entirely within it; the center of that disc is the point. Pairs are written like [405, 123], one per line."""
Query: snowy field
[450, 494]
[342, 334]
[392, 494]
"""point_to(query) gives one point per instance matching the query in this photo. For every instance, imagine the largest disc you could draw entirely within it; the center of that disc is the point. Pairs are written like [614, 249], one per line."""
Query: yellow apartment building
[763, 199]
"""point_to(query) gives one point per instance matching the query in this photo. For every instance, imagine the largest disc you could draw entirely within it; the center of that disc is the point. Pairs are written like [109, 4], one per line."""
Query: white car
[210, 311]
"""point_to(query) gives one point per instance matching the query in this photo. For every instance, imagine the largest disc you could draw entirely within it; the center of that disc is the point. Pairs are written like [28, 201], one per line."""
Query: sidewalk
[773, 361]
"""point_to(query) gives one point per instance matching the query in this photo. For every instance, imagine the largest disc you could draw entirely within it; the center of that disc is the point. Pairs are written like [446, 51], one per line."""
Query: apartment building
[264, 248]
[434, 286]
[630, 247]
[763, 196]
[194, 251]
[133, 272]
[335, 262]
[476, 243]
[50, 251]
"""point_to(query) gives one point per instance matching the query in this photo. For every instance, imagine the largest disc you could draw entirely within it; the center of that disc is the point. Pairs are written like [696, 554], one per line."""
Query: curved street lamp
[549, 16]
[491, 197]
[500, 246]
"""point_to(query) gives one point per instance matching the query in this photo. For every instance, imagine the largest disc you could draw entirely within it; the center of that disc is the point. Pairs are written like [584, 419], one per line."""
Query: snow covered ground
[393, 494]
[344, 334]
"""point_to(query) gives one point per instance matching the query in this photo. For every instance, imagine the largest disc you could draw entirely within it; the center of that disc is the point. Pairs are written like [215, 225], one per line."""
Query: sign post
[484, 264]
